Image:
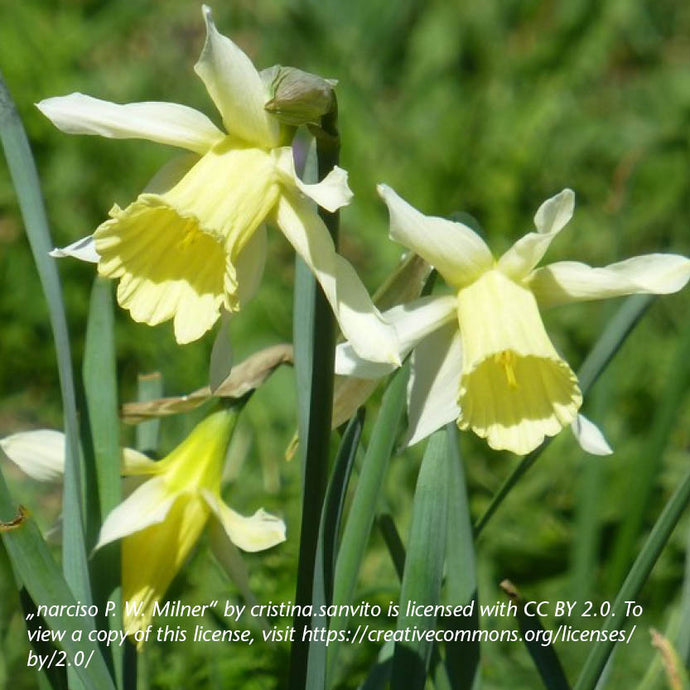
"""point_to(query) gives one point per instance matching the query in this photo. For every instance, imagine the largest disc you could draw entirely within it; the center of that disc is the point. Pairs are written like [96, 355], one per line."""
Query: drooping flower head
[193, 243]
[162, 519]
[482, 355]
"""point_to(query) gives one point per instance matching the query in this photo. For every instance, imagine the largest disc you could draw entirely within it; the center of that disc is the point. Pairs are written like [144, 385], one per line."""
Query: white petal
[361, 323]
[589, 437]
[412, 322]
[147, 505]
[236, 88]
[555, 213]
[456, 251]
[550, 219]
[256, 533]
[570, 281]
[40, 453]
[83, 249]
[349, 363]
[331, 193]
[432, 393]
[165, 123]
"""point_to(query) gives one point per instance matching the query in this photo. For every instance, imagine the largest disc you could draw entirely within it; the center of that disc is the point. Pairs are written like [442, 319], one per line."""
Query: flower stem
[315, 430]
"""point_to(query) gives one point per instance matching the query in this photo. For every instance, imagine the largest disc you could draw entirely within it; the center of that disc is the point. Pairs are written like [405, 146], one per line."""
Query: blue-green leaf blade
[423, 574]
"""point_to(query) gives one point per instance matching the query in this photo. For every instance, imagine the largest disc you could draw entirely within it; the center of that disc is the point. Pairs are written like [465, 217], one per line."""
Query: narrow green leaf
[587, 525]
[103, 457]
[394, 544]
[27, 186]
[327, 546]
[421, 585]
[462, 658]
[610, 341]
[40, 576]
[335, 497]
[596, 661]
[645, 467]
[682, 637]
[396, 550]
[365, 500]
[100, 385]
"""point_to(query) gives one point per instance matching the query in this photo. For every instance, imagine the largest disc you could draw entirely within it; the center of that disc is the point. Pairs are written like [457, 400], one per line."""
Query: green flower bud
[298, 98]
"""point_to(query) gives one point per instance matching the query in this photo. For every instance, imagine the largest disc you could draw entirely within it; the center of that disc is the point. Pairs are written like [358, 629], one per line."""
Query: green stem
[316, 436]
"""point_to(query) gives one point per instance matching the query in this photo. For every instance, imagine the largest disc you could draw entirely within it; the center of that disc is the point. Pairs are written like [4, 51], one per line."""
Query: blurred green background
[486, 108]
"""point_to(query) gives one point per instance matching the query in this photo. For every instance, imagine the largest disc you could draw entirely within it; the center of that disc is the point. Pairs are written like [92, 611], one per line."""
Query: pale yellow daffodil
[162, 519]
[481, 355]
[193, 244]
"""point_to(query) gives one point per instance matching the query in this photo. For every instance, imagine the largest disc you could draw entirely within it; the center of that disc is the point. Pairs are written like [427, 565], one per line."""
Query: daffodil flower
[193, 243]
[481, 355]
[162, 519]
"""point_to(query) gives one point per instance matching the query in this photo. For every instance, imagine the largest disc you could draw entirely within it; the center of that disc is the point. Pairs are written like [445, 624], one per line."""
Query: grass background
[486, 108]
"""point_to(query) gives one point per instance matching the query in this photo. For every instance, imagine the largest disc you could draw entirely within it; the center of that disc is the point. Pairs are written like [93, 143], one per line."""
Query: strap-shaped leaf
[25, 179]
[37, 572]
[365, 500]
[664, 526]
[423, 574]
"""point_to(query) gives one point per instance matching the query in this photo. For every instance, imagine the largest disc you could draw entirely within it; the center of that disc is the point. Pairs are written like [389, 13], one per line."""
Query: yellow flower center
[191, 235]
[506, 359]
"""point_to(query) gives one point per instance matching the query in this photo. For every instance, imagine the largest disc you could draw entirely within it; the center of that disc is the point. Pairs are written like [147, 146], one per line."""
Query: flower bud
[298, 98]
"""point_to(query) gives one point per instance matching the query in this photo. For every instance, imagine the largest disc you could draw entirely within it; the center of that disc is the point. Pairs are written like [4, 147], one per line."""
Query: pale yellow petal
[165, 123]
[152, 557]
[454, 249]
[432, 391]
[197, 463]
[83, 249]
[40, 453]
[147, 505]
[412, 322]
[135, 463]
[515, 389]
[230, 192]
[331, 193]
[571, 281]
[527, 252]
[236, 88]
[166, 266]
[174, 252]
[590, 437]
[254, 533]
[360, 321]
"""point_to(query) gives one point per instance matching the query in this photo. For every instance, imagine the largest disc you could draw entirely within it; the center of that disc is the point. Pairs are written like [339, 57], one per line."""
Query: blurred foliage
[486, 108]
